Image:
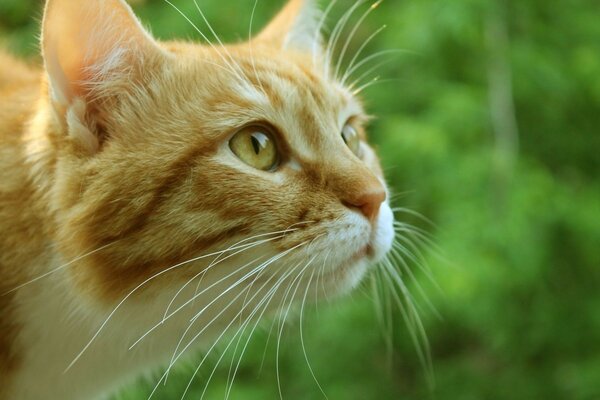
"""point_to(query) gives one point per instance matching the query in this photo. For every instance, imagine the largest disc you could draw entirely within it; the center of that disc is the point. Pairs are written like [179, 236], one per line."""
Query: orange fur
[18, 207]
[121, 149]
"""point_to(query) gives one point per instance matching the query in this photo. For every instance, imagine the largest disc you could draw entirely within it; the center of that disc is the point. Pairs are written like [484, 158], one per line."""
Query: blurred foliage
[517, 220]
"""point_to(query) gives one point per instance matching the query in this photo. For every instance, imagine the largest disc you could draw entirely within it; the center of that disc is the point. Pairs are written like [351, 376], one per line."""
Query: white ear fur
[87, 41]
[297, 27]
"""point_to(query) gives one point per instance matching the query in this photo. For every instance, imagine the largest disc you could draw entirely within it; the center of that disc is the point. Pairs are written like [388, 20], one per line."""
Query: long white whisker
[266, 264]
[359, 52]
[284, 317]
[251, 44]
[259, 269]
[278, 284]
[262, 267]
[336, 34]
[302, 335]
[374, 81]
[413, 213]
[236, 73]
[412, 320]
[63, 266]
[317, 32]
[365, 74]
[236, 64]
[231, 323]
[153, 328]
[352, 34]
[175, 357]
[212, 265]
[373, 57]
[386, 292]
[235, 246]
[268, 297]
[403, 263]
[138, 287]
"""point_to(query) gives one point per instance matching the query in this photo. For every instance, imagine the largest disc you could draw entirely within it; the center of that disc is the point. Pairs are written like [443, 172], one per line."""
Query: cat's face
[176, 151]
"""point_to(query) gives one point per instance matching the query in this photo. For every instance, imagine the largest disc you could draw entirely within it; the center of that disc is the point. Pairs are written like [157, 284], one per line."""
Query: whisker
[138, 287]
[282, 319]
[260, 269]
[421, 236]
[374, 56]
[250, 42]
[320, 25]
[352, 34]
[336, 34]
[246, 345]
[205, 38]
[302, 336]
[153, 328]
[412, 320]
[239, 334]
[383, 311]
[273, 290]
[235, 63]
[374, 81]
[414, 214]
[175, 357]
[235, 246]
[403, 264]
[263, 266]
[217, 261]
[63, 266]
[367, 73]
[358, 53]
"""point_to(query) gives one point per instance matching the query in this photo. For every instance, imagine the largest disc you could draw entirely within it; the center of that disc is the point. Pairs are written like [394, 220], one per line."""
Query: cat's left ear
[296, 27]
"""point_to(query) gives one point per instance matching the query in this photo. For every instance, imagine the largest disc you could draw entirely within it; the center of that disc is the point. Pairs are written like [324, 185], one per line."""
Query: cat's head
[251, 159]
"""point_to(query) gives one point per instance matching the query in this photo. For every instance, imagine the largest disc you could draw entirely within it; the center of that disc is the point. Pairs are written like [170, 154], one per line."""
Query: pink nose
[367, 202]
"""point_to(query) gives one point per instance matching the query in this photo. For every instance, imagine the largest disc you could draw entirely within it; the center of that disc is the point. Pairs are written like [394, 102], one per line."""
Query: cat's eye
[352, 139]
[255, 146]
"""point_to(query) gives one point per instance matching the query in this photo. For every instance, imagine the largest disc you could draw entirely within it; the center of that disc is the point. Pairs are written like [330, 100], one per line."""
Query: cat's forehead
[245, 84]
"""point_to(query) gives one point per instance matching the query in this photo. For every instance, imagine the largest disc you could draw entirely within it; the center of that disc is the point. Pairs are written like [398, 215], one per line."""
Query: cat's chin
[349, 274]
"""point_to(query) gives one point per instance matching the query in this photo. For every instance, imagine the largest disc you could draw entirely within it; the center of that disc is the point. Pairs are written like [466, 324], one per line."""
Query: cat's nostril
[367, 203]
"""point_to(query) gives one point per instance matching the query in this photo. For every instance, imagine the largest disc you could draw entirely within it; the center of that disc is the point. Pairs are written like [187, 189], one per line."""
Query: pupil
[256, 145]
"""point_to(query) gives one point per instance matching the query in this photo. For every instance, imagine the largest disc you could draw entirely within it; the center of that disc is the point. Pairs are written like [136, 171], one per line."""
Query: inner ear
[295, 27]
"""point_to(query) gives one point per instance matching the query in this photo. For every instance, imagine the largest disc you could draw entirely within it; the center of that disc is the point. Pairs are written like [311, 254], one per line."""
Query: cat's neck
[43, 321]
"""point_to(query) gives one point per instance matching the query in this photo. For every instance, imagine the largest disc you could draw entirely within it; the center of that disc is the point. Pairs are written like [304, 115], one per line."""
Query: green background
[489, 126]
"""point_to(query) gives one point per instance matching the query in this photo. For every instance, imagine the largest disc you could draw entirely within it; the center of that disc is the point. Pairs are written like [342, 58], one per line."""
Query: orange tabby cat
[155, 195]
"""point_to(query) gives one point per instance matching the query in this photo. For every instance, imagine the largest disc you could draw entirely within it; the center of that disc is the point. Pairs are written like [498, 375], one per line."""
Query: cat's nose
[367, 202]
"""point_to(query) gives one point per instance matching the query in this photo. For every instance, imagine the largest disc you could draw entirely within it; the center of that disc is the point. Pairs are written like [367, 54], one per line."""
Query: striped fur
[116, 156]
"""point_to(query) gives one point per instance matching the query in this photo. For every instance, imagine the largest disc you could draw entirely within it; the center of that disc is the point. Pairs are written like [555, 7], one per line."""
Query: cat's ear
[86, 43]
[297, 27]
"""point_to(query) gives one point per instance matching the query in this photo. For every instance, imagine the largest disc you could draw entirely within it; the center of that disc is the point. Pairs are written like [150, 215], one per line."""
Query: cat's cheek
[384, 233]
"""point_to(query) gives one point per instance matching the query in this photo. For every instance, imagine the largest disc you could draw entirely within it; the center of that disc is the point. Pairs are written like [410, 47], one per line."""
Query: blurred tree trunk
[500, 91]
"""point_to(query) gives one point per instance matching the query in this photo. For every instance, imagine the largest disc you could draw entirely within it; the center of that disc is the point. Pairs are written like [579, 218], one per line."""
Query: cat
[156, 195]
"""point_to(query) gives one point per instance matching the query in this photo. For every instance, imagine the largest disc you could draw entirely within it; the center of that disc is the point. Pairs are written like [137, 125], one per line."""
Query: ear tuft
[297, 27]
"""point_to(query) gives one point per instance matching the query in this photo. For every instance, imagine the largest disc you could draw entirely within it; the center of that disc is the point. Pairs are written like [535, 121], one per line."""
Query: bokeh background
[489, 125]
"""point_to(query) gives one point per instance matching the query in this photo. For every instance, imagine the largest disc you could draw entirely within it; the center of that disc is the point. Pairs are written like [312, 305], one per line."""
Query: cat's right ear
[91, 45]
[297, 27]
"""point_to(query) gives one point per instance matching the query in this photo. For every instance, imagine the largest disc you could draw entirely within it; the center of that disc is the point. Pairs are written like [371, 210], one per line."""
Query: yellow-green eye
[255, 146]
[351, 138]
